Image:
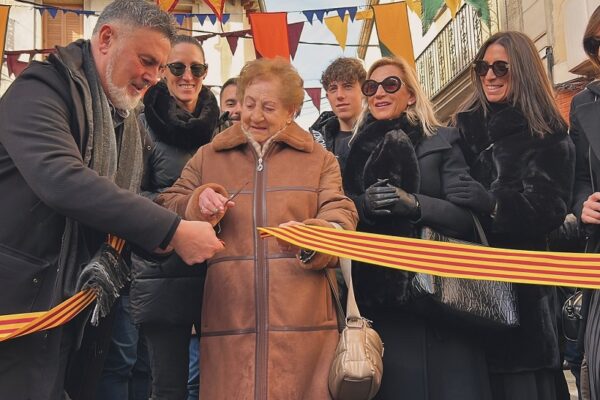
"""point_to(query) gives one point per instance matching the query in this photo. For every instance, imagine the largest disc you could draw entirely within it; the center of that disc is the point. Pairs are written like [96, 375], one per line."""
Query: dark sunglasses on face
[499, 68]
[591, 45]
[391, 84]
[178, 69]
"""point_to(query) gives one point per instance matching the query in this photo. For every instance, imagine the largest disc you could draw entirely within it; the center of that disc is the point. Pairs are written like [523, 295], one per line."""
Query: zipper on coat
[261, 284]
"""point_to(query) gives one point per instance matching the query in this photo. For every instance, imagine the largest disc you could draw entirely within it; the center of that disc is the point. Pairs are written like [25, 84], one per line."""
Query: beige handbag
[357, 367]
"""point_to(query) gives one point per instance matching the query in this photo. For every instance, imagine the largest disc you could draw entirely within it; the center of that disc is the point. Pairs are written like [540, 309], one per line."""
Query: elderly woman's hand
[213, 205]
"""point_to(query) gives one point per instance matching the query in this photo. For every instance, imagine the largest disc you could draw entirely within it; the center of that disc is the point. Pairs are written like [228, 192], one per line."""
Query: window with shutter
[64, 28]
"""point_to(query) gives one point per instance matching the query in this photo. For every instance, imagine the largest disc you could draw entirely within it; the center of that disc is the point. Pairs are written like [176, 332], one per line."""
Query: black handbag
[478, 302]
[571, 316]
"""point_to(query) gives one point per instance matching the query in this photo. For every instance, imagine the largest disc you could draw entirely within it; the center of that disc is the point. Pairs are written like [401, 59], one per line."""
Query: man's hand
[195, 241]
[591, 209]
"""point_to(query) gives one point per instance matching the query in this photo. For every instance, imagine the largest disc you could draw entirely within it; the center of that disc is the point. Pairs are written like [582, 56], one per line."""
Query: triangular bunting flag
[430, 9]
[415, 6]
[53, 11]
[453, 6]
[483, 9]
[179, 18]
[270, 34]
[212, 18]
[352, 12]
[294, 32]
[217, 7]
[225, 18]
[393, 31]
[201, 18]
[309, 14]
[320, 14]
[41, 10]
[315, 97]
[233, 42]
[167, 5]
[4, 11]
[339, 28]
[341, 12]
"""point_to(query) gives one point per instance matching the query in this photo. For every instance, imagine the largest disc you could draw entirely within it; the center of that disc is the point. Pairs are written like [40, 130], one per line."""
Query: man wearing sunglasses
[70, 164]
[333, 129]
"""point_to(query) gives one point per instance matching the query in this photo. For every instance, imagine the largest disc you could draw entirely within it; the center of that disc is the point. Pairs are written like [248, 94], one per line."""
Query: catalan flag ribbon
[448, 259]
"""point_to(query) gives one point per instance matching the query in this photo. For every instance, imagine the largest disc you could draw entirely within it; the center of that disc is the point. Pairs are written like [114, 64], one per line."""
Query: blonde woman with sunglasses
[399, 166]
[180, 115]
[521, 174]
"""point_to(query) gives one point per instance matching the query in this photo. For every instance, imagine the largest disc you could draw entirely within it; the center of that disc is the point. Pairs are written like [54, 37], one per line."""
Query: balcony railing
[454, 48]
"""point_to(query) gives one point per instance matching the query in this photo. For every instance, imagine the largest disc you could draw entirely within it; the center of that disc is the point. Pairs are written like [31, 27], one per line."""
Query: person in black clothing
[333, 129]
[180, 115]
[585, 132]
[522, 165]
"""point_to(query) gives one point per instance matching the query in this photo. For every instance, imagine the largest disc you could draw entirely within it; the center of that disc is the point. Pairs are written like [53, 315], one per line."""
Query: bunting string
[448, 259]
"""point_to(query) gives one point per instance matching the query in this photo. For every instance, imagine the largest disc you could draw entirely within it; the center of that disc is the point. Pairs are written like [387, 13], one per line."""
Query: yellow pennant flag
[167, 5]
[4, 10]
[453, 6]
[339, 28]
[393, 31]
[415, 6]
[217, 7]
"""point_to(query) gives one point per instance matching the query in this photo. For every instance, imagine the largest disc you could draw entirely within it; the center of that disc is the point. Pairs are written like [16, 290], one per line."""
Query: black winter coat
[44, 130]
[531, 178]
[167, 290]
[421, 348]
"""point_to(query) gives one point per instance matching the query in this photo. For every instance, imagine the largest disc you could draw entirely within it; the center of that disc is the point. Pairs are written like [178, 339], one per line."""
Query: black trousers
[168, 346]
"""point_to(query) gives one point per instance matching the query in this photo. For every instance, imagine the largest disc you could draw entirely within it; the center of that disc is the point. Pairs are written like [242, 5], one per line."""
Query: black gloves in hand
[382, 199]
[467, 192]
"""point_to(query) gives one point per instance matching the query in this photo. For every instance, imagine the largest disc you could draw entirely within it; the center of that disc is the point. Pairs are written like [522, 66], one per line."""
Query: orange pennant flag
[270, 34]
[217, 7]
[167, 5]
[393, 31]
[4, 10]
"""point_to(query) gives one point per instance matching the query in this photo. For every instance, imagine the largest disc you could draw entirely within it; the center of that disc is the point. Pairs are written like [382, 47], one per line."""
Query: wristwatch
[306, 255]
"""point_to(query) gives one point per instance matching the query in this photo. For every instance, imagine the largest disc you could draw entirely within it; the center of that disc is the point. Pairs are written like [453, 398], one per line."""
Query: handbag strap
[479, 230]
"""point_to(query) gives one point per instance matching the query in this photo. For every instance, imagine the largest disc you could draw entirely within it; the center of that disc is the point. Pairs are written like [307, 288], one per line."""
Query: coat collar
[294, 136]
[589, 121]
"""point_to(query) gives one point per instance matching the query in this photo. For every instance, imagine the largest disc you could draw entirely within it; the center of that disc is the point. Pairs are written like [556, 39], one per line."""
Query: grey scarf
[105, 273]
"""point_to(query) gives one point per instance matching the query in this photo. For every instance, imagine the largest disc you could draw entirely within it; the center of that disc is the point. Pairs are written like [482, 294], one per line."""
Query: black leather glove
[381, 198]
[467, 192]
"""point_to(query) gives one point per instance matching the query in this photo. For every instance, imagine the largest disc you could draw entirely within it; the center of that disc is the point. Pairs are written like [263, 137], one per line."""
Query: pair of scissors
[234, 195]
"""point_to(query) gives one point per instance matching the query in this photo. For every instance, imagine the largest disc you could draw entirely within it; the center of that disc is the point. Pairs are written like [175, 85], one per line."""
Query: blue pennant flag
[179, 18]
[341, 12]
[352, 12]
[52, 11]
[225, 18]
[320, 14]
[213, 18]
[201, 18]
[309, 14]
[41, 10]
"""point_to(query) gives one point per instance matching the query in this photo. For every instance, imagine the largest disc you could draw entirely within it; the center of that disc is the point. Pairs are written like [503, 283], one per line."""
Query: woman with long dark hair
[521, 174]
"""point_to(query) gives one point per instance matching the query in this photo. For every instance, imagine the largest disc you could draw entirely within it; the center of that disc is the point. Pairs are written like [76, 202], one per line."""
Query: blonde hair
[421, 112]
[264, 69]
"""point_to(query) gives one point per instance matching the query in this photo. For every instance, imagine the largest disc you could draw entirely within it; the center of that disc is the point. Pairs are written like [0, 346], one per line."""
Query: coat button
[36, 281]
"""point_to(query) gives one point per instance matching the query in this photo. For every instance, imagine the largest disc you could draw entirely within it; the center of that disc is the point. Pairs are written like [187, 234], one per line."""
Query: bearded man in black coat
[70, 164]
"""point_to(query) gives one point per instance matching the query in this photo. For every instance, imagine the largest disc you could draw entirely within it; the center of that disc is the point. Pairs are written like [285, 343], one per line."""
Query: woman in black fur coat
[522, 171]
[180, 115]
[399, 167]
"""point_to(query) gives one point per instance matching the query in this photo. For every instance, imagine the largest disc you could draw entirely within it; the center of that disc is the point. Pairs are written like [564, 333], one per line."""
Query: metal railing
[454, 48]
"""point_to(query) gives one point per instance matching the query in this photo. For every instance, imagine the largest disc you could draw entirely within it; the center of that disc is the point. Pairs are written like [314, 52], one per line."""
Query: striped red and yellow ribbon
[15, 325]
[448, 259]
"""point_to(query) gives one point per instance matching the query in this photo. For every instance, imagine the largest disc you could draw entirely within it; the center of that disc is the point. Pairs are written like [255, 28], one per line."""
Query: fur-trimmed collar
[175, 126]
[294, 136]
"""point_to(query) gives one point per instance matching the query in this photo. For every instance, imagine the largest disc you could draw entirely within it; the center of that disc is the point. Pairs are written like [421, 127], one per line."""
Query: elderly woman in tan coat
[268, 322]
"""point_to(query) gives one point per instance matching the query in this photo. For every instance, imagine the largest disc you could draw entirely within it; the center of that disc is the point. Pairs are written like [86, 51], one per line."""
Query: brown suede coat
[268, 322]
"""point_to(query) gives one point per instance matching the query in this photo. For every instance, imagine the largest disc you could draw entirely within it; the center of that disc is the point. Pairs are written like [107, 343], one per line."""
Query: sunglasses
[391, 84]
[178, 69]
[500, 68]
[591, 45]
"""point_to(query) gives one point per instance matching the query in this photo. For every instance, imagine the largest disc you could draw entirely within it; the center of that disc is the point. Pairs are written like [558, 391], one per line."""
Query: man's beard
[118, 96]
